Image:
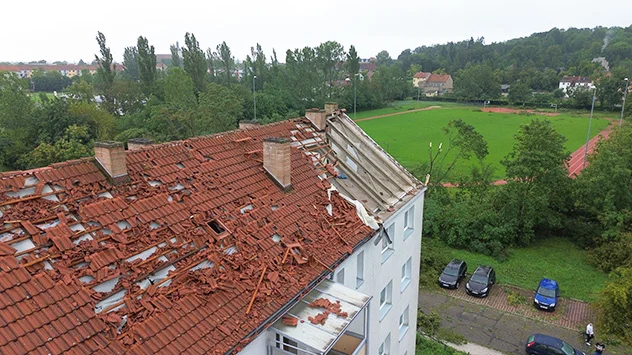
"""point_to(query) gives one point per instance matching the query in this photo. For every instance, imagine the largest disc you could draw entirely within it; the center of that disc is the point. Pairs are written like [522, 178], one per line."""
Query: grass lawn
[36, 97]
[554, 258]
[399, 106]
[407, 136]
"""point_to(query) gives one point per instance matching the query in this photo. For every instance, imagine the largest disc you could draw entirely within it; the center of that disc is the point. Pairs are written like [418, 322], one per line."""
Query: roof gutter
[276, 315]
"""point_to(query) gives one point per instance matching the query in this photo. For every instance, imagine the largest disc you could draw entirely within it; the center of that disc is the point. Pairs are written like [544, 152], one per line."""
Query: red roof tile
[162, 222]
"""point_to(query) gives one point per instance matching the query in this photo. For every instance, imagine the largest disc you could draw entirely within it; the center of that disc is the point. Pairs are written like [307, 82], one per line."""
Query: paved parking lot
[500, 330]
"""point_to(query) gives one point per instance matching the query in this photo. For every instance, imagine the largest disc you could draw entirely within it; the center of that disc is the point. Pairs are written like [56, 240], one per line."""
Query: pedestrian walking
[599, 348]
[590, 333]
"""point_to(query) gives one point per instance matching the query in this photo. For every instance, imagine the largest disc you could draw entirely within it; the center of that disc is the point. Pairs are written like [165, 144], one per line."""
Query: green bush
[514, 298]
[433, 260]
[428, 323]
[425, 346]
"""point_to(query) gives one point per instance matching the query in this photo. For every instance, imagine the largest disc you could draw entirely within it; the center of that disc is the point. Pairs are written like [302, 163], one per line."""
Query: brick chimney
[111, 160]
[138, 143]
[330, 108]
[276, 161]
[317, 117]
[244, 124]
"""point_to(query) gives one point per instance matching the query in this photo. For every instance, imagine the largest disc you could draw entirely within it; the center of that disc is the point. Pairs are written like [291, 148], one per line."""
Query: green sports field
[407, 136]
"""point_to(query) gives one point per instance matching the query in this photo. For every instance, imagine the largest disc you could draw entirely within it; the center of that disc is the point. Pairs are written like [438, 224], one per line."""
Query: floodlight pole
[254, 95]
[355, 95]
[589, 124]
[625, 94]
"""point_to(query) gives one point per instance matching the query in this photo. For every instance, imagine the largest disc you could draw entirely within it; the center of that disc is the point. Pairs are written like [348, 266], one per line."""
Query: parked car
[481, 281]
[453, 273]
[540, 344]
[546, 294]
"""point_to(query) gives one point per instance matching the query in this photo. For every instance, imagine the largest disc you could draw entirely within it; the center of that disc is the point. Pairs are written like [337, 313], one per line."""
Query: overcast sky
[66, 30]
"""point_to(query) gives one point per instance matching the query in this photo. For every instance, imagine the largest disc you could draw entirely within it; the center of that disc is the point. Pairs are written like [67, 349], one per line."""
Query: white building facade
[380, 277]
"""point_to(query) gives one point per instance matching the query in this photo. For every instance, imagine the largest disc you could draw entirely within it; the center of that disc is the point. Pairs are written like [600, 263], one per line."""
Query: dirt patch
[511, 110]
[398, 113]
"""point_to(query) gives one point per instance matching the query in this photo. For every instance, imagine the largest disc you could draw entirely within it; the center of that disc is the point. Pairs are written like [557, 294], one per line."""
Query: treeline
[533, 66]
[540, 200]
[202, 92]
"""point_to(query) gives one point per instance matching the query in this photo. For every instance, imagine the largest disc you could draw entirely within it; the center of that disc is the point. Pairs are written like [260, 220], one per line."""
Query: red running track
[576, 163]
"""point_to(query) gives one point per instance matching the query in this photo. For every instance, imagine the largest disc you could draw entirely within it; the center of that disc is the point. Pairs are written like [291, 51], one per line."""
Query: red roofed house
[420, 78]
[299, 237]
[438, 85]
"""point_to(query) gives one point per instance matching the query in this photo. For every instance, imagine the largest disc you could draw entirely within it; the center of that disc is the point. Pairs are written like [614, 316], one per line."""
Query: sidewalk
[473, 349]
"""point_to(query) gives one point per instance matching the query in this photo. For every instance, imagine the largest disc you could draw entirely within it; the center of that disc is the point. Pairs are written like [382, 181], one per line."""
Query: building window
[340, 277]
[360, 269]
[286, 344]
[403, 323]
[385, 347]
[406, 271]
[409, 221]
[386, 299]
[388, 239]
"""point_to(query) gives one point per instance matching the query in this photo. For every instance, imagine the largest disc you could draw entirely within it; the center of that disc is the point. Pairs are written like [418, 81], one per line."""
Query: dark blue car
[546, 295]
[540, 344]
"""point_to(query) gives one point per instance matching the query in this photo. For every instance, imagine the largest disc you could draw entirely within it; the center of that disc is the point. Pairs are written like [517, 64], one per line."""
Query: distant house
[368, 67]
[571, 82]
[420, 78]
[504, 89]
[27, 70]
[437, 85]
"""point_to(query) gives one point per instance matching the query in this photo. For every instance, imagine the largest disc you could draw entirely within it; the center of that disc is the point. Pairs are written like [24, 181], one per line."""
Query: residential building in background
[297, 237]
[433, 84]
[572, 82]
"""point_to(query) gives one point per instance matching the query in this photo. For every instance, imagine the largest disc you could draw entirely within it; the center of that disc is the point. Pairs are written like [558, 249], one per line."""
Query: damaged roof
[195, 254]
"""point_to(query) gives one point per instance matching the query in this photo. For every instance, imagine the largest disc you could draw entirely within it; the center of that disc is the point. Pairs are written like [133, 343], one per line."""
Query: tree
[383, 58]
[615, 305]
[211, 59]
[328, 56]
[476, 82]
[146, 65]
[195, 63]
[603, 187]
[219, 110]
[16, 119]
[538, 188]
[130, 63]
[175, 56]
[105, 73]
[73, 145]
[463, 143]
[227, 62]
[353, 61]
[519, 93]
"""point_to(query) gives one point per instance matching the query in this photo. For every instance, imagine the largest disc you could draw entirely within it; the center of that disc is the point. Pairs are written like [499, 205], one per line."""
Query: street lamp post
[589, 124]
[625, 94]
[355, 95]
[254, 95]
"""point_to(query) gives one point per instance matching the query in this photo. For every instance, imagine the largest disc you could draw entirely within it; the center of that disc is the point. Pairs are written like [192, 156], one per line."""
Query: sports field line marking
[398, 113]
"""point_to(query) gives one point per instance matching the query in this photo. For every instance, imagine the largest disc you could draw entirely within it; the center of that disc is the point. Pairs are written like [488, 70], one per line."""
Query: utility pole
[254, 94]
[625, 94]
[589, 124]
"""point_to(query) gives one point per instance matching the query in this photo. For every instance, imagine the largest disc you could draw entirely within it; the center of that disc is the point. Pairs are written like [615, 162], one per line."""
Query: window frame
[409, 222]
[360, 269]
[406, 276]
[386, 299]
[404, 321]
[387, 249]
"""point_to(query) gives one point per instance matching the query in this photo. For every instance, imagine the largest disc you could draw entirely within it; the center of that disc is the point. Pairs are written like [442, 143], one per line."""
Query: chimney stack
[244, 124]
[277, 157]
[317, 117]
[330, 108]
[111, 158]
[138, 143]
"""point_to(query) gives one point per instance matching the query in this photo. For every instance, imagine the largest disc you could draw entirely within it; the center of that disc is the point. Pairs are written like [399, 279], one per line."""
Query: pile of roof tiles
[193, 255]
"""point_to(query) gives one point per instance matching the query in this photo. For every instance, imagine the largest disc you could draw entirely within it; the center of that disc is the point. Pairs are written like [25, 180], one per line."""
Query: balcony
[339, 335]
